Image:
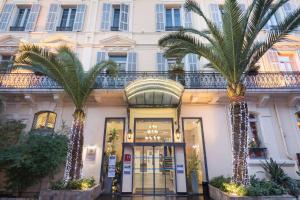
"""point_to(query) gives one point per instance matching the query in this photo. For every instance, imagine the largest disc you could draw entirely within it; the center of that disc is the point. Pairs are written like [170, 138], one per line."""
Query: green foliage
[264, 188]
[10, 131]
[278, 176]
[219, 181]
[32, 159]
[234, 189]
[193, 163]
[233, 49]
[79, 184]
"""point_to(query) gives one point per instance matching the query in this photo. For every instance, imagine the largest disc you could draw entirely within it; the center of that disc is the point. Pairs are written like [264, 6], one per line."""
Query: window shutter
[105, 23]
[131, 61]
[273, 59]
[79, 17]
[5, 16]
[124, 10]
[160, 17]
[287, 8]
[187, 18]
[216, 15]
[33, 16]
[101, 56]
[161, 62]
[191, 62]
[52, 17]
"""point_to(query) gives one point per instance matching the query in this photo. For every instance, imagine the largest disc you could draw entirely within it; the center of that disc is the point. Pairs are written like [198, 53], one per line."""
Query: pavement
[150, 197]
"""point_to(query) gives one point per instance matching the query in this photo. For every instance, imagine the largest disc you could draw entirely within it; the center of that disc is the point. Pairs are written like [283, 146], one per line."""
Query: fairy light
[239, 160]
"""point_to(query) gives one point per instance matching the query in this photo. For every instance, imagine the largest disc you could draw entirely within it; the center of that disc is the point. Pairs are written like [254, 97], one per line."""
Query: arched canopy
[154, 92]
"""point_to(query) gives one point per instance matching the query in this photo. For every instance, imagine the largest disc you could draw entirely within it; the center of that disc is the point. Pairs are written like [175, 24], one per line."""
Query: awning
[154, 92]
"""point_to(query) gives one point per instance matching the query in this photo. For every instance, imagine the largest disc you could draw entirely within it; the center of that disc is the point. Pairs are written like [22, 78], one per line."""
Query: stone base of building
[89, 194]
[216, 194]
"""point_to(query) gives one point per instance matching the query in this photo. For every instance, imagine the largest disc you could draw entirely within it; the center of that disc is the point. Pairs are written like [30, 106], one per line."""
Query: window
[115, 17]
[286, 62]
[44, 120]
[171, 62]
[121, 61]
[173, 22]
[6, 62]
[256, 150]
[297, 115]
[21, 19]
[67, 19]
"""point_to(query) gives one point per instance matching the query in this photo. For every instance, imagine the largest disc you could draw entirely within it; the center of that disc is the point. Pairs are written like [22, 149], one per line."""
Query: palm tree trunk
[239, 124]
[74, 156]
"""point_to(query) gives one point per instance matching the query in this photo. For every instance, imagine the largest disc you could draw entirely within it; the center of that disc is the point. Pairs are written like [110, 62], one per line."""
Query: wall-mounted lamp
[178, 134]
[129, 134]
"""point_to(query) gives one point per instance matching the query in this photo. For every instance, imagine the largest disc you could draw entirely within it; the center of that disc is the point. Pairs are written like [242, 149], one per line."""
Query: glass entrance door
[154, 170]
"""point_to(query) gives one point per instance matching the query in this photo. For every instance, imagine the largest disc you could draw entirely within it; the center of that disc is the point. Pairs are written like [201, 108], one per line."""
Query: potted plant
[193, 171]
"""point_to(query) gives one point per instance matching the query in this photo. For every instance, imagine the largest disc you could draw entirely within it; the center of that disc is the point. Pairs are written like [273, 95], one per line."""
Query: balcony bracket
[29, 98]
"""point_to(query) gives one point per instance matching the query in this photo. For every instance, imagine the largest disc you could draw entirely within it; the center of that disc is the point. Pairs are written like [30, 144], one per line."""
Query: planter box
[89, 194]
[217, 194]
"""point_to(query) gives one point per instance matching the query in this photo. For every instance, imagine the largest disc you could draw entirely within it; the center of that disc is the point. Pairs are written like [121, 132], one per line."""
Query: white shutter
[187, 18]
[131, 61]
[52, 17]
[287, 8]
[101, 56]
[191, 62]
[105, 23]
[216, 15]
[33, 16]
[79, 17]
[273, 60]
[160, 17]
[123, 24]
[5, 16]
[161, 62]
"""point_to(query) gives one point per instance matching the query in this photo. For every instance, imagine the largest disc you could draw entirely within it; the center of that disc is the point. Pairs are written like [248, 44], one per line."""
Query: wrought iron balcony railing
[17, 28]
[190, 80]
[64, 28]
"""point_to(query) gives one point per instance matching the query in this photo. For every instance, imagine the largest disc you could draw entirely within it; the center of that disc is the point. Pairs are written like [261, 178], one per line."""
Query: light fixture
[178, 134]
[129, 134]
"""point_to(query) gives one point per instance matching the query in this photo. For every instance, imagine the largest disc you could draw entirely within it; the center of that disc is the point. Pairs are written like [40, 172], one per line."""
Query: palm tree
[233, 50]
[64, 67]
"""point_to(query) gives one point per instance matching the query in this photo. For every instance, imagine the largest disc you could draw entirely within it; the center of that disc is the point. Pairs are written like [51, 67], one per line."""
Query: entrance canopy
[154, 92]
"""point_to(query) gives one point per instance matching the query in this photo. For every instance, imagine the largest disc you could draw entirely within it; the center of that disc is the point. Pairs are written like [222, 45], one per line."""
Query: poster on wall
[90, 154]
[180, 169]
[127, 164]
[112, 166]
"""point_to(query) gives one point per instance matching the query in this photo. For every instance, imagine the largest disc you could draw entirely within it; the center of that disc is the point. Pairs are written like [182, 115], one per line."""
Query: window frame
[35, 118]
[173, 26]
[125, 55]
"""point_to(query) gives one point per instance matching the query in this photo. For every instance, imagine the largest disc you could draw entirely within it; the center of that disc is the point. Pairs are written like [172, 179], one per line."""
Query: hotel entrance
[154, 157]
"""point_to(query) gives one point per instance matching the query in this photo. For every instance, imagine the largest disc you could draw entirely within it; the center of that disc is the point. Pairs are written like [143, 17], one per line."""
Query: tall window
[67, 19]
[286, 62]
[116, 18]
[6, 62]
[121, 61]
[173, 21]
[21, 19]
[44, 120]
[297, 115]
[254, 132]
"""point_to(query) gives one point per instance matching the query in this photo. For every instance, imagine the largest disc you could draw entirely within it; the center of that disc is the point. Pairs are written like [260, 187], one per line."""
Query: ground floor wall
[277, 129]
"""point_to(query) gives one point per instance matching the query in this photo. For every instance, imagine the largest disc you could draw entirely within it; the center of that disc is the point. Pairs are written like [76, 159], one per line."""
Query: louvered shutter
[273, 59]
[33, 16]
[105, 23]
[160, 17]
[52, 17]
[101, 56]
[131, 61]
[287, 8]
[216, 15]
[161, 62]
[191, 62]
[124, 10]
[187, 18]
[79, 17]
[6, 13]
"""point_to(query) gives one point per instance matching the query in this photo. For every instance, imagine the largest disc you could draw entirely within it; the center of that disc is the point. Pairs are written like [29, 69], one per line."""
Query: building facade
[163, 120]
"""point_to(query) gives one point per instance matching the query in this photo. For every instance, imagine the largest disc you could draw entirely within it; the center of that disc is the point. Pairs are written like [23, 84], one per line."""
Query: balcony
[17, 28]
[114, 28]
[64, 28]
[286, 81]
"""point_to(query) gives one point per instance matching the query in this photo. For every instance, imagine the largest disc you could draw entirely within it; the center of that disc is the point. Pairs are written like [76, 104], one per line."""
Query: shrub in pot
[193, 171]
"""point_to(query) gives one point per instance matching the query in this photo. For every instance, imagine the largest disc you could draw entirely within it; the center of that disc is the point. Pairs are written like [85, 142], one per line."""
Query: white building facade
[163, 120]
